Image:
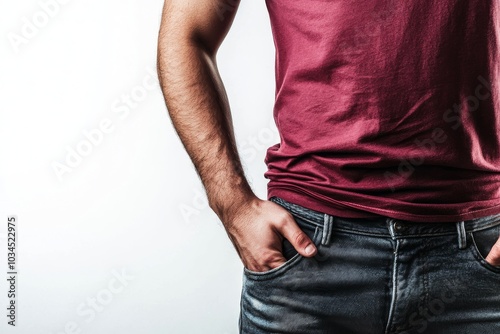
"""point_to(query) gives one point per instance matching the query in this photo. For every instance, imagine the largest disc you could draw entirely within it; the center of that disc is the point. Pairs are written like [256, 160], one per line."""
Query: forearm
[198, 106]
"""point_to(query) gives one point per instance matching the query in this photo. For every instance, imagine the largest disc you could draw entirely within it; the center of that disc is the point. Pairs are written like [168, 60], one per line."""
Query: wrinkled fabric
[387, 107]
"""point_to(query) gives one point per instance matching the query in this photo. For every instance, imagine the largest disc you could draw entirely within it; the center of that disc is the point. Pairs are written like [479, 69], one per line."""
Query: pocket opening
[482, 242]
[292, 262]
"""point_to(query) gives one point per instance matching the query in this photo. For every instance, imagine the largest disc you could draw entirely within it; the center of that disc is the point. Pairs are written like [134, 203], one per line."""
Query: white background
[133, 203]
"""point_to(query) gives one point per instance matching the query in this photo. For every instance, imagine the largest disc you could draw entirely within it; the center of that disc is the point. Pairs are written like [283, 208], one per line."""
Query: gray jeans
[383, 276]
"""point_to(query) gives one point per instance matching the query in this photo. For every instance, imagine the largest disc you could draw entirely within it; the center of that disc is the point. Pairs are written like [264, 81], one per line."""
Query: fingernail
[309, 249]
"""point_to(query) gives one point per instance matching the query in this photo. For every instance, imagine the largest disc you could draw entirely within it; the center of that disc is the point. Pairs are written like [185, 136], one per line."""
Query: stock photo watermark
[12, 270]
[32, 25]
[90, 139]
[419, 320]
[88, 310]
[364, 32]
[454, 118]
[249, 149]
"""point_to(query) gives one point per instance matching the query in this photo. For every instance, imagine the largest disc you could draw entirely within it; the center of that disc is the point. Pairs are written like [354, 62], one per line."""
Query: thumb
[494, 254]
[299, 240]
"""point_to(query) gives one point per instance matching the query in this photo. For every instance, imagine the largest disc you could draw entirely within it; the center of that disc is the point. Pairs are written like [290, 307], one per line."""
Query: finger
[279, 260]
[273, 259]
[299, 240]
[494, 255]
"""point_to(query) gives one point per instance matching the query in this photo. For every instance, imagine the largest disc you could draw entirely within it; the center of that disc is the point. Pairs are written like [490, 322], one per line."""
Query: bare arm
[190, 35]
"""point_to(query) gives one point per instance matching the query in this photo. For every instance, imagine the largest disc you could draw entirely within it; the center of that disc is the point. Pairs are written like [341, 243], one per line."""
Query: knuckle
[300, 238]
[283, 220]
[281, 223]
[267, 258]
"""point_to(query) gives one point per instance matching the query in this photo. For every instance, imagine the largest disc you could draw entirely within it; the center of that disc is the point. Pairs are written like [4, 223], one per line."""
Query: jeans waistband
[389, 227]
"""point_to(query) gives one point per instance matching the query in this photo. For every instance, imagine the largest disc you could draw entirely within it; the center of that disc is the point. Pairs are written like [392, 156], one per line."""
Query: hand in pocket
[493, 257]
[257, 230]
[487, 243]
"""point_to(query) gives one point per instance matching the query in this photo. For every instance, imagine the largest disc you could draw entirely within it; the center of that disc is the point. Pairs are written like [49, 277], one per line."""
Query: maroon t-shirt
[387, 107]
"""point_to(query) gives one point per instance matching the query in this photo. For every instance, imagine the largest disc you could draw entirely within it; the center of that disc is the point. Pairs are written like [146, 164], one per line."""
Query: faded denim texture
[378, 276]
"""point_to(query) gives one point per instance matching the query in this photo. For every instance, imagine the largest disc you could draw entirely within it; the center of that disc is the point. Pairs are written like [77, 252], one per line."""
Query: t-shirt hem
[344, 209]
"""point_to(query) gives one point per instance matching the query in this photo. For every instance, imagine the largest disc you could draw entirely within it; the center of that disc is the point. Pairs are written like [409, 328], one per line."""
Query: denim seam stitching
[302, 213]
[394, 289]
[481, 227]
[353, 231]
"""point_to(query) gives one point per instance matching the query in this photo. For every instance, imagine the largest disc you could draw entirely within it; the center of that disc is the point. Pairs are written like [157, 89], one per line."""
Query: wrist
[231, 202]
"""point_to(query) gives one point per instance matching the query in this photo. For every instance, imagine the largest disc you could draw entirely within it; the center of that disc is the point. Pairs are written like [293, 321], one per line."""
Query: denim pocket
[481, 243]
[292, 256]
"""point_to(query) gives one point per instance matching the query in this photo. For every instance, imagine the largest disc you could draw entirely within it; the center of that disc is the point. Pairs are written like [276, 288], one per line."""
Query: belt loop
[327, 229]
[462, 236]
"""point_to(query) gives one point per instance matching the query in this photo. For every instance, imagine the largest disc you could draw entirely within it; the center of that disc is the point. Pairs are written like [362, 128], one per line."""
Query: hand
[257, 228]
[493, 257]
